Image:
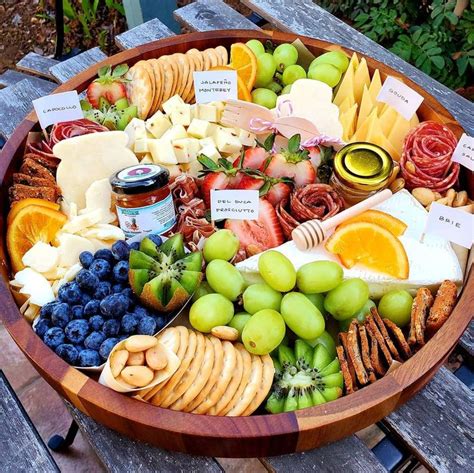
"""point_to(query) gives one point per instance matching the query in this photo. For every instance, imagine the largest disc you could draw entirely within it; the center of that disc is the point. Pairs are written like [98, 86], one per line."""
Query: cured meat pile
[314, 201]
[426, 158]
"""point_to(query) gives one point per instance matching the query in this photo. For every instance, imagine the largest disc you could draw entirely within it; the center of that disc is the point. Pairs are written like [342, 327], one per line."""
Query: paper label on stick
[215, 86]
[56, 108]
[464, 152]
[235, 204]
[450, 223]
[399, 96]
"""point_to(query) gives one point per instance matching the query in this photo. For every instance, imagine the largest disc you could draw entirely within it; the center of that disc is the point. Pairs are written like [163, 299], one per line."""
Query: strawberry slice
[110, 85]
[278, 192]
[254, 158]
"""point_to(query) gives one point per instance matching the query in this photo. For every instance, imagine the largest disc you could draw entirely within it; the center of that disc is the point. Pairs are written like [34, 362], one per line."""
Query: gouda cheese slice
[346, 88]
[364, 131]
[348, 120]
[361, 78]
[354, 62]
[388, 119]
[397, 134]
[366, 107]
[345, 105]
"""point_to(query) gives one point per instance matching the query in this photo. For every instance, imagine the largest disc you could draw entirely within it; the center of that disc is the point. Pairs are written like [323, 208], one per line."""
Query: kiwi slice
[164, 277]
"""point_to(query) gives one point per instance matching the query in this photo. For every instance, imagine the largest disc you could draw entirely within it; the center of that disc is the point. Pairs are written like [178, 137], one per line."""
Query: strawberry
[110, 85]
[248, 182]
[254, 158]
[278, 192]
[261, 234]
[292, 163]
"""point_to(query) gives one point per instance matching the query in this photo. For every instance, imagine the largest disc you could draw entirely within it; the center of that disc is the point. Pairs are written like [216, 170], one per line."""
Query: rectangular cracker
[343, 339]
[443, 305]
[385, 335]
[365, 349]
[353, 352]
[397, 335]
[374, 331]
[350, 388]
[377, 364]
[419, 312]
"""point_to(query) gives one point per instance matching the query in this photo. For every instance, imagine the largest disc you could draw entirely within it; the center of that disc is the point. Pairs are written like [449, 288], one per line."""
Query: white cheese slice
[70, 247]
[135, 130]
[81, 222]
[34, 285]
[432, 260]
[41, 257]
[99, 196]
[103, 231]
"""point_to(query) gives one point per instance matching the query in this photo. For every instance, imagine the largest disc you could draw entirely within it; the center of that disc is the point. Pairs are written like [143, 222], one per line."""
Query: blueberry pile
[96, 310]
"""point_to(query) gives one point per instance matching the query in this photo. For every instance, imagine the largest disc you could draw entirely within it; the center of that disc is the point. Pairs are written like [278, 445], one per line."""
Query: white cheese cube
[181, 115]
[158, 124]
[176, 132]
[247, 138]
[200, 128]
[207, 112]
[227, 143]
[211, 152]
[171, 103]
[186, 149]
[141, 146]
[135, 130]
[162, 151]
[193, 168]
[207, 141]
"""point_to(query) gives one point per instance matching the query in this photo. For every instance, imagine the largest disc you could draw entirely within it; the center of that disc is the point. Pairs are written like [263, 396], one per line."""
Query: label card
[464, 152]
[401, 97]
[235, 204]
[211, 86]
[56, 108]
[450, 223]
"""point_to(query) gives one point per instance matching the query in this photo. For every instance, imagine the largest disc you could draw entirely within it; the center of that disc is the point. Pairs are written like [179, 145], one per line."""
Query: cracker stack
[154, 81]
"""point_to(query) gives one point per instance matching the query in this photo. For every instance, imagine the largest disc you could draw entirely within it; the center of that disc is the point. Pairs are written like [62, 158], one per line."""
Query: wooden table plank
[436, 424]
[119, 453]
[207, 15]
[22, 449]
[67, 69]
[467, 340]
[306, 18]
[10, 77]
[145, 33]
[37, 64]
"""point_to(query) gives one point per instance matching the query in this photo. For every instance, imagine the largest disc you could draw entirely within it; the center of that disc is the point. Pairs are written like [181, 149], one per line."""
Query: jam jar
[360, 170]
[143, 200]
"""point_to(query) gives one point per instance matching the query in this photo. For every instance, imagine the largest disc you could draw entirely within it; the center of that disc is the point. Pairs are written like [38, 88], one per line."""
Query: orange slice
[242, 92]
[244, 61]
[17, 206]
[393, 225]
[370, 245]
[31, 224]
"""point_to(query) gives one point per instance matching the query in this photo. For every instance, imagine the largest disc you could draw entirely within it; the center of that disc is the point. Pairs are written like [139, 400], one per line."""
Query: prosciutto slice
[64, 130]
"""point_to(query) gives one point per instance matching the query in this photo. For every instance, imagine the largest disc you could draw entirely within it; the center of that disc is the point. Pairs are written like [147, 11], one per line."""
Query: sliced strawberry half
[278, 192]
[110, 85]
[254, 158]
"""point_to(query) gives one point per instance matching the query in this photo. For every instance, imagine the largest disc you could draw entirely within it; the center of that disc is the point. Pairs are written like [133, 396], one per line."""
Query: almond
[450, 195]
[397, 185]
[136, 359]
[156, 357]
[140, 343]
[423, 195]
[118, 360]
[460, 199]
[138, 376]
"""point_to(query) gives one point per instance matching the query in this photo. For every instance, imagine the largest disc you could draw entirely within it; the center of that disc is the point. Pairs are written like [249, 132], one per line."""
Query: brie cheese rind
[432, 259]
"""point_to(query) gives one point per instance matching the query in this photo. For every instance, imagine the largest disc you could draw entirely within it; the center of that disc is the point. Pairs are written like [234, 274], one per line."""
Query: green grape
[285, 55]
[301, 316]
[274, 86]
[220, 245]
[266, 67]
[319, 276]
[225, 279]
[292, 74]
[347, 299]
[327, 341]
[359, 316]
[202, 290]
[238, 322]
[317, 300]
[326, 73]
[335, 58]
[263, 332]
[264, 97]
[256, 46]
[277, 271]
[261, 296]
[210, 311]
[396, 306]
[286, 90]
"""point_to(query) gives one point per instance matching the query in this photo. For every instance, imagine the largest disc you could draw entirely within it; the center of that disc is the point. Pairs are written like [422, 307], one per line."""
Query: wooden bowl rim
[379, 398]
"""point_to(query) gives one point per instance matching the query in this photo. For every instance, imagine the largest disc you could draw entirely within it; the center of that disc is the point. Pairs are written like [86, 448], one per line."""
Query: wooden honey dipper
[310, 234]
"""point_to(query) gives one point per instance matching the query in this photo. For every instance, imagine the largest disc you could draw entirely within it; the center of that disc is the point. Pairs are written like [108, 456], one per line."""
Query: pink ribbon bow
[321, 140]
[259, 125]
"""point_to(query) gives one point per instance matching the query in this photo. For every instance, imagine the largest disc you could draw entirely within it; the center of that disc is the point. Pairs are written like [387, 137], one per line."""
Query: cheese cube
[158, 124]
[226, 143]
[186, 149]
[176, 132]
[162, 151]
[193, 168]
[171, 103]
[200, 128]
[207, 141]
[220, 109]
[207, 112]
[181, 115]
[141, 146]
[247, 138]
[211, 152]
[135, 130]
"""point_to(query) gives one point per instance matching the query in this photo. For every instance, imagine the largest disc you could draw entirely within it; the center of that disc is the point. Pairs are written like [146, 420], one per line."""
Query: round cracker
[182, 61]
[223, 55]
[178, 73]
[189, 80]
[202, 376]
[157, 71]
[211, 52]
[147, 66]
[251, 389]
[246, 372]
[139, 88]
[223, 380]
[190, 374]
[194, 66]
[216, 370]
[231, 389]
[167, 78]
[265, 386]
[206, 59]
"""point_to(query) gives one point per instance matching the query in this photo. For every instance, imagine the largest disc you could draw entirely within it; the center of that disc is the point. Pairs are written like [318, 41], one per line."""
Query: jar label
[156, 218]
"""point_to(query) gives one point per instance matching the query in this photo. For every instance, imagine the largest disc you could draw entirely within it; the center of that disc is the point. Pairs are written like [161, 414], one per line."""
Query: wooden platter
[259, 435]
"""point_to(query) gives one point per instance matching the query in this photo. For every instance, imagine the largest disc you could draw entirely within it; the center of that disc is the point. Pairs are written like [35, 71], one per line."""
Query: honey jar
[143, 200]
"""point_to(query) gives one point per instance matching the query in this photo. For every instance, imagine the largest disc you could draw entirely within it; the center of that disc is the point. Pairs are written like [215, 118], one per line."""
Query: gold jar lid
[363, 166]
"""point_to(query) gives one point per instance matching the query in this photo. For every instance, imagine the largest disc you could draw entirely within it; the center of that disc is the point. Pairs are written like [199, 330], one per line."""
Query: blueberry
[128, 292]
[54, 337]
[135, 245]
[156, 239]
[106, 254]
[102, 290]
[116, 288]
[146, 326]
[61, 315]
[106, 347]
[92, 308]
[101, 268]
[120, 271]
[94, 340]
[67, 352]
[140, 311]
[88, 357]
[70, 292]
[47, 310]
[114, 305]
[77, 330]
[86, 258]
[160, 321]
[129, 323]
[85, 298]
[120, 250]
[111, 327]
[77, 312]
[96, 322]
[87, 280]
[42, 326]
[122, 338]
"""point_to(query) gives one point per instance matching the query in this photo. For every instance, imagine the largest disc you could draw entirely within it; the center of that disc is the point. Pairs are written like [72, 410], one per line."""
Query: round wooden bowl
[253, 436]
